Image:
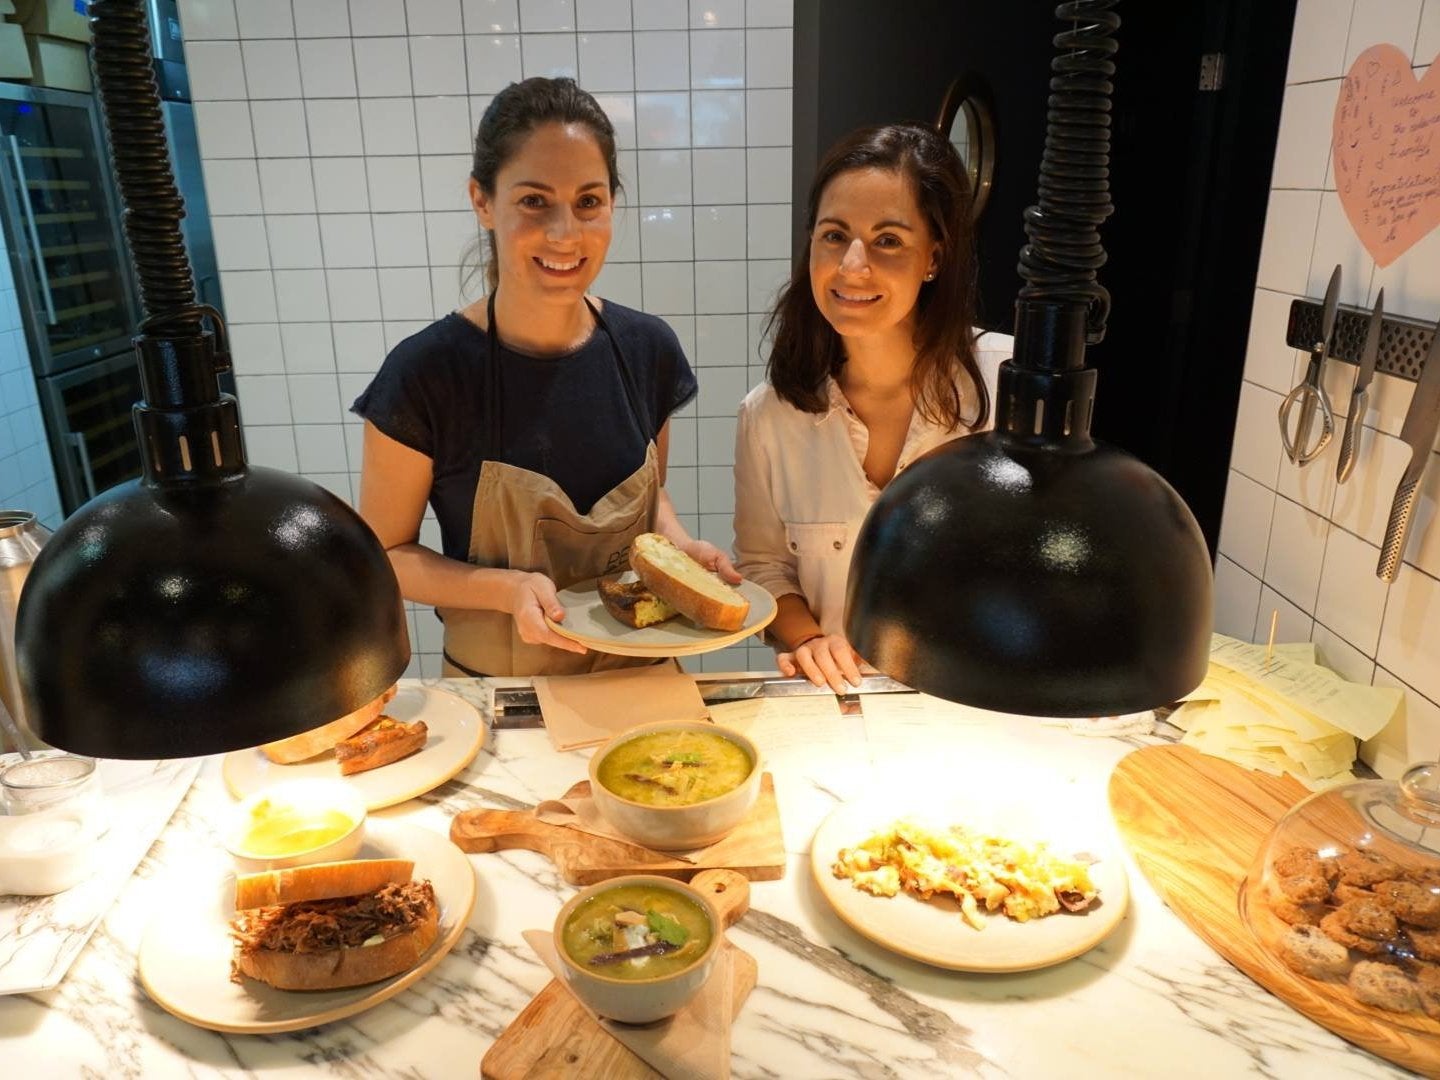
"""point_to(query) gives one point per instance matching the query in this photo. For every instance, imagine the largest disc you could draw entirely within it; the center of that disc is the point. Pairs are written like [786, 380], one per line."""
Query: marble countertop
[1152, 999]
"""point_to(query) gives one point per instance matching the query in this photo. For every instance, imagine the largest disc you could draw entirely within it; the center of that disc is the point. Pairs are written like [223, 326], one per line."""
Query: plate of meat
[406, 745]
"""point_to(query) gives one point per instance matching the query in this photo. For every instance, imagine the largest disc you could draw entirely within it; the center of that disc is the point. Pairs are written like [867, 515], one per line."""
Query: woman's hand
[827, 660]
[532, 597]
[712, 558]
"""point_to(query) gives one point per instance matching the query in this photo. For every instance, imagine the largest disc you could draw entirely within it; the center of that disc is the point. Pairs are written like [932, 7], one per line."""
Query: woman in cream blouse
[875, 362]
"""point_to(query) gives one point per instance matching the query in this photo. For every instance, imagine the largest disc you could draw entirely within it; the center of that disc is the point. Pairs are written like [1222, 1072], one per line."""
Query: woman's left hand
[712, 558]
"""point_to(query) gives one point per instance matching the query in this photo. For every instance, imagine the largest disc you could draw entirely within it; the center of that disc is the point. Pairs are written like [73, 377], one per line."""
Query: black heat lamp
[208, 605]
[1031, 569]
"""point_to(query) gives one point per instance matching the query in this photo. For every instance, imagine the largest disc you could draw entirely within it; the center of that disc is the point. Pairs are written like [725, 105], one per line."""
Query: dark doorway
[1198, 91]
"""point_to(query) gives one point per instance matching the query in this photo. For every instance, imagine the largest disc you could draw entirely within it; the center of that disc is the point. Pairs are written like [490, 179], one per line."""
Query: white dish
[587, 622]
[456, 732]
[184, 961]
[932, 931]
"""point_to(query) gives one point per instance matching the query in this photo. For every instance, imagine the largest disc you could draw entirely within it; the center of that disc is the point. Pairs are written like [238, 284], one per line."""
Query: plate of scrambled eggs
[966, 893]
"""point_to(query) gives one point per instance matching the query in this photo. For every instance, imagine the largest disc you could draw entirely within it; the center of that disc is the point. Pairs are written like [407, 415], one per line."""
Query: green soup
[636, 932]
[675, 768]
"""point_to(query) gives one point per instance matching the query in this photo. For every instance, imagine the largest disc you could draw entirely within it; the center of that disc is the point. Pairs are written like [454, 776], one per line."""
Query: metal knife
[1421, 422]
[1360, 396]
[1318, 352]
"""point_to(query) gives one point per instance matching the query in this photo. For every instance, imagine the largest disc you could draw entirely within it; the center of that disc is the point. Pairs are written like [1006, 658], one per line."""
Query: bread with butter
[680, 581]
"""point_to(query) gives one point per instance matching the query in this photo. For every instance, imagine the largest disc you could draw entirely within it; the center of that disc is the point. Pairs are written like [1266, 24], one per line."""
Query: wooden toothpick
[1270, 645]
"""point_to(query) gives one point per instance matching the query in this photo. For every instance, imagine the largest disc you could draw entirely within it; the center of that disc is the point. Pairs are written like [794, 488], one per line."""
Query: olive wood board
[1194, 825]
[755, 848]
[554, 1036]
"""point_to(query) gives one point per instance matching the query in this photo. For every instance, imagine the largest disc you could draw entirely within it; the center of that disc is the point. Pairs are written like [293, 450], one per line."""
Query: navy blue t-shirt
[565, 416]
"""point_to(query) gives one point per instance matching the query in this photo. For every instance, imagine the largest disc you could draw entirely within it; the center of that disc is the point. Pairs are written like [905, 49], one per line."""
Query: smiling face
[549, 213]
[870, 251]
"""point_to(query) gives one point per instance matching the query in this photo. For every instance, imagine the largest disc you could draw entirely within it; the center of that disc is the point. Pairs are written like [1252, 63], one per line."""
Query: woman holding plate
[534, 421]
[875, 362]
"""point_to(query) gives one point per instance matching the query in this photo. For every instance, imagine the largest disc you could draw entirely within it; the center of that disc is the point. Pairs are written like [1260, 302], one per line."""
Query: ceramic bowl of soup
[295, 823]
[638, 948]
[676, 785]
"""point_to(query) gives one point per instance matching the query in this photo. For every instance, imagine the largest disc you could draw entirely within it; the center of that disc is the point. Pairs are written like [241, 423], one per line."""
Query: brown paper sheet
[694, 1044]
[585, 710]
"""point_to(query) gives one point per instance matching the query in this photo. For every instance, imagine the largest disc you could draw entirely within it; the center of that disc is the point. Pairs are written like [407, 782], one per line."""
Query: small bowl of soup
[637, 949]
[676, 785]
[296, 823]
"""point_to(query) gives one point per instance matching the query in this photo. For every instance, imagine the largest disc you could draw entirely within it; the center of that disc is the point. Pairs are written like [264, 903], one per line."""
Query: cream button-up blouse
[801, 492]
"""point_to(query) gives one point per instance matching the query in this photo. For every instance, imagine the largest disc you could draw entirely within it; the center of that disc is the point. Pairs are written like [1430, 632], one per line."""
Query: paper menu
[1361, 710]
[781, 724]
[584, 710]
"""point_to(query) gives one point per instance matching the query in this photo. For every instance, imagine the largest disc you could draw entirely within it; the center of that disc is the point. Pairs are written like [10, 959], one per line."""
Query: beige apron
[522, 520]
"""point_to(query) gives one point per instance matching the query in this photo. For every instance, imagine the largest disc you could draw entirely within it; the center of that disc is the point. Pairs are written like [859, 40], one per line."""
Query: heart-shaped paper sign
[1387, 151]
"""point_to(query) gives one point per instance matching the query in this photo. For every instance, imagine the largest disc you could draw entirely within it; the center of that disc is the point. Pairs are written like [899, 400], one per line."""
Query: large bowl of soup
[676, 785]
[638, 948]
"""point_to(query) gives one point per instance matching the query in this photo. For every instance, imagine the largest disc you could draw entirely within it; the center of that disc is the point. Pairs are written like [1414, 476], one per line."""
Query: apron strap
[627, 377]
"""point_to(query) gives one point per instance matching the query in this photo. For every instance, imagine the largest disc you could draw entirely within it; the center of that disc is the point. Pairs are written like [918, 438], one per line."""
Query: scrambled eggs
[1024, 881]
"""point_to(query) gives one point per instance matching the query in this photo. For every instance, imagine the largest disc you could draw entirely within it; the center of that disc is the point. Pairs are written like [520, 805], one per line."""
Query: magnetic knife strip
[1403, 342]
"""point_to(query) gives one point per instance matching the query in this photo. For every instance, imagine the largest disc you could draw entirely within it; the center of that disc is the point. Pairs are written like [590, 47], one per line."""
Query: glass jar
[1346, 892]
[49, 781]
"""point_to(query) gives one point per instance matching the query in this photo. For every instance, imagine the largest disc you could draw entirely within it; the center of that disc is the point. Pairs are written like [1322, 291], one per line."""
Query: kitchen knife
[1360, 396]
[1421, 421]
[1318, 352]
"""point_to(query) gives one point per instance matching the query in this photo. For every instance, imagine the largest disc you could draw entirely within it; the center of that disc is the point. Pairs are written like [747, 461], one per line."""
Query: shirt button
[794, 546]
[838, 545]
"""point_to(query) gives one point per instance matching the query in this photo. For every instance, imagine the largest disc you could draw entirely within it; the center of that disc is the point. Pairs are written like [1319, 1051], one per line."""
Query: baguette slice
[319, 881]
[380, 743]
[687, 586]
[337, 968]
[316, 741]
[633, 604]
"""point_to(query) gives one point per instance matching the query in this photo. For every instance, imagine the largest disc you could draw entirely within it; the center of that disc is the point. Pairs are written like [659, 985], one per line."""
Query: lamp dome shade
[1036, 577]
[184, 619]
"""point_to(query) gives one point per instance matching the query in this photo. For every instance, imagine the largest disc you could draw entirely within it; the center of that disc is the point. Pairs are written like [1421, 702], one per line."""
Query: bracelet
[805, 640]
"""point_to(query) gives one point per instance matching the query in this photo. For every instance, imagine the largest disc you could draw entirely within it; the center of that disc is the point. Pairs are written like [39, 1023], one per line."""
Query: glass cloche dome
[1346, 892]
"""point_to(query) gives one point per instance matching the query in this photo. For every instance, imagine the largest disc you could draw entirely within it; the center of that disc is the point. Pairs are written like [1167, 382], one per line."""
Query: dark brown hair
[516, 112]
[807, 348]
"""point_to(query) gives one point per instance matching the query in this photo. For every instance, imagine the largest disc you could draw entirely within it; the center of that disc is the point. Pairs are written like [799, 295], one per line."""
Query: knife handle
[1346, 463]
[1397, 529]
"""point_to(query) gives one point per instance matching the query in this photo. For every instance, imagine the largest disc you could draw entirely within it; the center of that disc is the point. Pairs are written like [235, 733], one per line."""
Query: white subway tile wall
[1292, 541]
[336, 143]
[27, 475]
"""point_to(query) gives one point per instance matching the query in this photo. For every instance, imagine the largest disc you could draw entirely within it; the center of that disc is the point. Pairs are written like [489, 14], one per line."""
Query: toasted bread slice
[316, 741]
[380, 743]
[633, 604]
[319, 881]
[337, 968]
[687, 586]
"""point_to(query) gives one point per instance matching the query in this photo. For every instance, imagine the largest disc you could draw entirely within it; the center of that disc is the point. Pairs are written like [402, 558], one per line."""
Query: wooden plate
[587, 622]
[184, 961]
[932, 931]
[456, 733]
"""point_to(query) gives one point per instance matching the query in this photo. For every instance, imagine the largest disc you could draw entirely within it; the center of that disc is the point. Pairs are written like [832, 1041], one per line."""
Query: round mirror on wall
[967, 118]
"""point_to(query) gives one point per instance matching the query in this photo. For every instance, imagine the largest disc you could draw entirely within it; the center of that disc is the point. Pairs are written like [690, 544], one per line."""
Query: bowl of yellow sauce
[296, 823]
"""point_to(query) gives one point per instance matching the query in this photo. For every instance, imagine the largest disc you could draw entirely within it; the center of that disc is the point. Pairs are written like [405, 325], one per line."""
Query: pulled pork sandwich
[332, 925]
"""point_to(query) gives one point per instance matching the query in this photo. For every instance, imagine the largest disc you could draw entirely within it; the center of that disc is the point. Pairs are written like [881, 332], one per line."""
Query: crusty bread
[319, 881]
[336, 968]
[379, 743]
[632, 603]
[687, 586]
[316, 741]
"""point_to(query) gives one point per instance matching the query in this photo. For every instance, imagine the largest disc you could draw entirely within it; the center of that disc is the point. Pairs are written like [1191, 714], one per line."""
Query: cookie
[1300, 914]
[1309, 887]
[1336, 926]
[1427, 982]
[1307, 950]
[1414, 905]
[1384, 986]
[1426, 944]
[1366, 868]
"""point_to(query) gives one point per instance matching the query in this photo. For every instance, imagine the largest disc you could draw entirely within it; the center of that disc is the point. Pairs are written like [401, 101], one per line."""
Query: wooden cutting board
[1194, 825]
[756, 847]
[555, 1037]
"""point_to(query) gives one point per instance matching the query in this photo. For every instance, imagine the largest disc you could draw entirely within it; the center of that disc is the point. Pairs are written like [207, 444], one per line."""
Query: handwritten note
[1387, 151]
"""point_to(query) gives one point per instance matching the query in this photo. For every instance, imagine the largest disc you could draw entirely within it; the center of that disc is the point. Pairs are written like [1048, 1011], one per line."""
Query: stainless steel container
[21, 538]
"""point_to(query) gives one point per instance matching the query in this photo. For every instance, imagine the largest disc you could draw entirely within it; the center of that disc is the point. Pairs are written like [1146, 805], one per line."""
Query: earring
[930, 276]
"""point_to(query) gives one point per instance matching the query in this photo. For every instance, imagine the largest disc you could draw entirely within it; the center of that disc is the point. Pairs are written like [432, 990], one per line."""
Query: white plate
[184, 961]
[932, 931]
[587, 622]
[455, 734]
